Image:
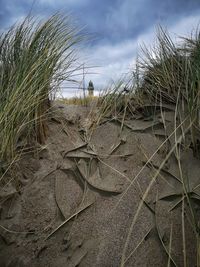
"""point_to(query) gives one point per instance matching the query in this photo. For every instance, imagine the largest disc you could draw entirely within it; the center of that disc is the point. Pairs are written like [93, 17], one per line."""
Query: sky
[117, 28]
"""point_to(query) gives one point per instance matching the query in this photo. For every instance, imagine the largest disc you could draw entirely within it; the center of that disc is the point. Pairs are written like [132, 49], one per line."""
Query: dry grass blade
[70, 218]
[16, 232]
[183, 234]
[167, 250]
[170, 246]
[138, 245]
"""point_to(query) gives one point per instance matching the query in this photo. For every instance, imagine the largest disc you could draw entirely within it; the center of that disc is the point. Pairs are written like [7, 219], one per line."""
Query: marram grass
[35, 57]
[168, 74]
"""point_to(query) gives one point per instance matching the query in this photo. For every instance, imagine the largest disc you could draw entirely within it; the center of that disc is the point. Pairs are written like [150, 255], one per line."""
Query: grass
[168, 74]
[35, 57]
[172, 75]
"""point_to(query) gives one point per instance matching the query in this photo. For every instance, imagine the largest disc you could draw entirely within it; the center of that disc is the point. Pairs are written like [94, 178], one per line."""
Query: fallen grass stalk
[170, 245]
[68, 219]
[16, 232]
[138, 245]
[167, 250]
[183, 234]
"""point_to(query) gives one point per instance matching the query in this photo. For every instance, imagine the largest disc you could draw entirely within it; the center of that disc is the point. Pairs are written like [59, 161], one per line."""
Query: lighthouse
[90, 88]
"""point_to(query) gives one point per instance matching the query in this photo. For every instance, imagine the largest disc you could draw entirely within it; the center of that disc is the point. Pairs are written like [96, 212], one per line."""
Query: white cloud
[115, 60]
[185, 26]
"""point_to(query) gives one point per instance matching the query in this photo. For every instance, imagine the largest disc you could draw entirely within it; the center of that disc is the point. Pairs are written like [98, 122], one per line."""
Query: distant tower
[90, 88]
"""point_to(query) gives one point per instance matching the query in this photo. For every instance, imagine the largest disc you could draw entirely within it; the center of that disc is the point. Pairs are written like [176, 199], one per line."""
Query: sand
[86, 188]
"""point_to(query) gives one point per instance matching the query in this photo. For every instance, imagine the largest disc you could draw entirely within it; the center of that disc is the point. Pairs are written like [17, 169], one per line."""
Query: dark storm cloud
[108, 19]
[132, 17]
[118, 26]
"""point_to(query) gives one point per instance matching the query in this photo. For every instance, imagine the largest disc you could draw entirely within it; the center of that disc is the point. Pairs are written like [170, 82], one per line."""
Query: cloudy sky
[117, 27]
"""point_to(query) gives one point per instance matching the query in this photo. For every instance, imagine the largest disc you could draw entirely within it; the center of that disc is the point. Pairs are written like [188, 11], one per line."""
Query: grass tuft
[35, 58]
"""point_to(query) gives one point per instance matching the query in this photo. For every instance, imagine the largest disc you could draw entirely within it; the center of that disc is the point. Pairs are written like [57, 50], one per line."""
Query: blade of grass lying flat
[115, 170]
[168, 251]
[140, 128]
[139, 244]
[16, 232]
[176, 204]
[95, 180]
[170, 245]
[68, 219]
[152, 210]
[183, 234]
[115, 147]
[167, 171]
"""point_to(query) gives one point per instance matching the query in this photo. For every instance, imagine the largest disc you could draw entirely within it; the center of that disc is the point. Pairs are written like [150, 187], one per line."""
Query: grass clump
[166, 81]
[35, 57]
[171, 74]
